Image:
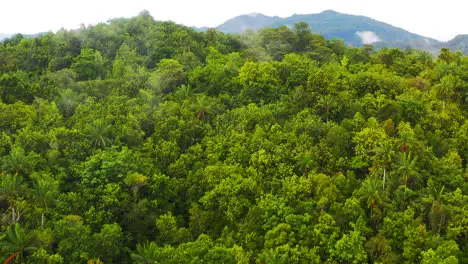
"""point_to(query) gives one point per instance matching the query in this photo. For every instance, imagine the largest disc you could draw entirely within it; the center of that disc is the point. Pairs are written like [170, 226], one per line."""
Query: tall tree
[326, 102]
[446, 87]
[302, 36]
[384, 155]
[371, 193]
[407, 166]
[45, 191]
[307, 162]
[98, 132]
[146, 253]
[11, 187]
[88, 65]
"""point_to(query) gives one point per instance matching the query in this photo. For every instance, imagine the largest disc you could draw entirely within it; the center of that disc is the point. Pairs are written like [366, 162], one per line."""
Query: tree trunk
[18, 215]
[404, 197]
[42, 219]
[328, 113]
[384, 170]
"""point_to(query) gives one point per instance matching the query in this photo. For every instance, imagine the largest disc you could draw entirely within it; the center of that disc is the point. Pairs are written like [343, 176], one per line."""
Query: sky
[441, 20]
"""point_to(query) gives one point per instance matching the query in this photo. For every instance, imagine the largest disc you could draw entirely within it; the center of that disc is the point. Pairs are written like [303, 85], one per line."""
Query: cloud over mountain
[368, 37]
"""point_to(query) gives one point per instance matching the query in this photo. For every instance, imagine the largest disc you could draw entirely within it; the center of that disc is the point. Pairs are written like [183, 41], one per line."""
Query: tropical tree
[184, 92]
[18, 242]
[371, 193]
[45, 191]
[384, 155]
[407, 166]
[437, 215]
[98, 132]
[307, 162]
[350, 249]
[16, 162]
[88, 65]
[446, 87]
[146, 253]
[302, 36]
[10, 188]
[67, 102]
[273, 257]
[203, 106]
[135, 181]
[326, 102]
[169, 75]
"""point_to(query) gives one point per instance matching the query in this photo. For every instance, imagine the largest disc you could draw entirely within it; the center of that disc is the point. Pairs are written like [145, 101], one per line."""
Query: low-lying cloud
[368, 37]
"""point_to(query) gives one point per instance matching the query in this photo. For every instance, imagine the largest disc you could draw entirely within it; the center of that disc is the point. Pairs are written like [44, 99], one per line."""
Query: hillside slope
[354, 30]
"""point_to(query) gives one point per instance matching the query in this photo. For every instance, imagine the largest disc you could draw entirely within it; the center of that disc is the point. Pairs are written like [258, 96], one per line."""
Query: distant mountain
[460, 43]
[354, 30]
[200, 29]
[7, 36]
[254, 21]
[4, 36]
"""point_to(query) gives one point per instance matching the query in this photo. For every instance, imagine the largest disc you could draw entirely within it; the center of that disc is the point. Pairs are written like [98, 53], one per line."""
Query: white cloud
[368, 37]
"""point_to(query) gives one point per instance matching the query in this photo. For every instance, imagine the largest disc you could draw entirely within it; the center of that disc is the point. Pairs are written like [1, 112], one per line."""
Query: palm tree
[446, 87]
[272, 257]
[306, 162]
[146, 253]
[16, 162]
[18, 242]
[326, 102]
[184, 92]
[203, 106]
[67, 102]
[98, 132]
[370, 192]
[44, 192]
[385, 154]
[437, 215]
[10, 188]
[407, 166]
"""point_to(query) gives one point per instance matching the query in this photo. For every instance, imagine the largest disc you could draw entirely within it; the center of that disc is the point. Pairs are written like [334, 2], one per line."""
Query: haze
[441, 20]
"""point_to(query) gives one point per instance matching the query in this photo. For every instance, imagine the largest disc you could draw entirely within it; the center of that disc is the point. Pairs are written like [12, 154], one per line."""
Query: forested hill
[354, 30]
[139, 141]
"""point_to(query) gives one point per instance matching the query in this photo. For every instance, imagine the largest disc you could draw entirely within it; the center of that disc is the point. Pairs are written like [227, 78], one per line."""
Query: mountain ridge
[333, 24]
[355, 30]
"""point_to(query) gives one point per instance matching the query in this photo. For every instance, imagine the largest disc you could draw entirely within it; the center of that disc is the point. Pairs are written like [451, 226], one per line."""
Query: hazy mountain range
[4, 36]
[354, 30]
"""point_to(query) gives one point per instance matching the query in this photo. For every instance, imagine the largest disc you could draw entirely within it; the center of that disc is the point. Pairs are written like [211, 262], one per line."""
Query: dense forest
[139, 141]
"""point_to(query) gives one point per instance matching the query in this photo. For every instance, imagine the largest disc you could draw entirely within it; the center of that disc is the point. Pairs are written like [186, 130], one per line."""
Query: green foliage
[18, 242]
[138, 141]
[169, 74]
[88, 65]
[17, 86]
[259, 82]
[350, 249]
